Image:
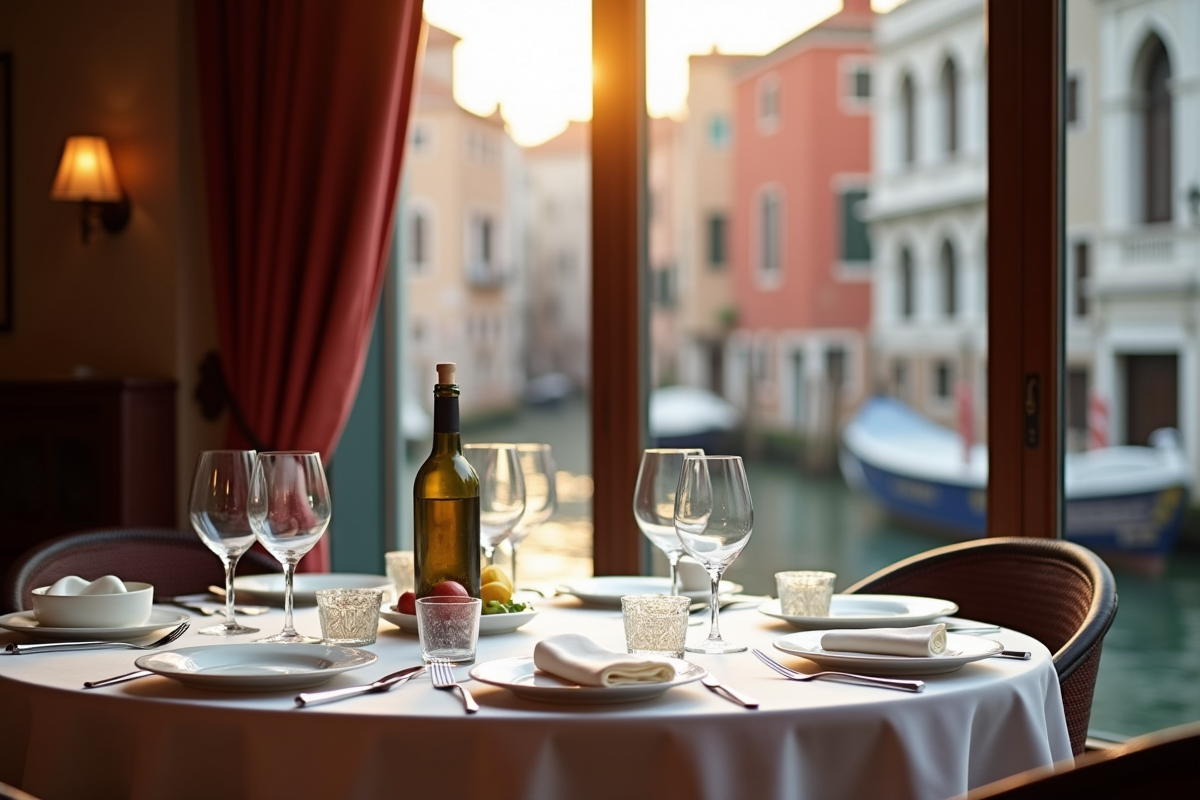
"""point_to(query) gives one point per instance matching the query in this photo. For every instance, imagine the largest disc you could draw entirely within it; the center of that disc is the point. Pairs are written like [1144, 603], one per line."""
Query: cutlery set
[442, 673]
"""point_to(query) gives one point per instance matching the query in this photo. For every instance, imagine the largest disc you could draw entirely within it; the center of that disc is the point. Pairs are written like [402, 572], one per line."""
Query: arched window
[948, 89]
[907, 289]
[908, 121]
[949, 268]
[1156, 132]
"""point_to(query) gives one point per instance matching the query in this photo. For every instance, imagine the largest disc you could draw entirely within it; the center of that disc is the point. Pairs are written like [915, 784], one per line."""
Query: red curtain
[304, 109]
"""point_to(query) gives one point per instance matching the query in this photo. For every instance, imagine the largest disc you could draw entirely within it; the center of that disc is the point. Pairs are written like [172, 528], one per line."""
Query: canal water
[1150, 669]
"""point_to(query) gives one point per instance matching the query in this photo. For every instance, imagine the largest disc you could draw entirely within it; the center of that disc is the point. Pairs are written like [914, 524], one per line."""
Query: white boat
[688, 416]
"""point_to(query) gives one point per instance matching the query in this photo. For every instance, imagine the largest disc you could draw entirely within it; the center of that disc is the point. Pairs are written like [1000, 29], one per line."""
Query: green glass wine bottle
[446, 501]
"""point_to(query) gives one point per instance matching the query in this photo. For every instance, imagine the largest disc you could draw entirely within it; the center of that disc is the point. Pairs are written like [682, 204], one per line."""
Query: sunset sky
[533, 57]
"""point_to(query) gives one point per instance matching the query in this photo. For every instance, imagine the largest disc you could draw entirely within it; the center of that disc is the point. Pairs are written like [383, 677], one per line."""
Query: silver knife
[382, 685]
[128, 676]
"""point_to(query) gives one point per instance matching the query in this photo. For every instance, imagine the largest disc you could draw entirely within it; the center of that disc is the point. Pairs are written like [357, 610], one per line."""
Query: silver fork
[846, 677]
[47, 647]
[441, 673]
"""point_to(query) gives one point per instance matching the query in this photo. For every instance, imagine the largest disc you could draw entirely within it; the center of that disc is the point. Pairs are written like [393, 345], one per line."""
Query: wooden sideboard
[84, 453]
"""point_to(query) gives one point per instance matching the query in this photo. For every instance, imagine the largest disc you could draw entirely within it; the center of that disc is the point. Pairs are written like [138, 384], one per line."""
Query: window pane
[836, 289]
[496, 188]
[1129, 260]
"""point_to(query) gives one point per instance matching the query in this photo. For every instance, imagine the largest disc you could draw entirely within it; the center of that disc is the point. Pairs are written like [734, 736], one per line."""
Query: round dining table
[156, 738]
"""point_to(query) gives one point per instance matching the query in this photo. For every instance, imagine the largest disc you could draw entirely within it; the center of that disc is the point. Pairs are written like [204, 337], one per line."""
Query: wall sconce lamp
[86, 175]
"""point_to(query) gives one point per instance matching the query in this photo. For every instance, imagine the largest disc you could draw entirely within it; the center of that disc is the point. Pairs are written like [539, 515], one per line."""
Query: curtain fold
[304, 111]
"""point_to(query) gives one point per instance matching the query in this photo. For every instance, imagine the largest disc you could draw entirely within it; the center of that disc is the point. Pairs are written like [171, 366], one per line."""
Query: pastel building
[699, 289]
[558, 235]
[928, 208]
[799, 247]
[463, 243]
[1141, 292]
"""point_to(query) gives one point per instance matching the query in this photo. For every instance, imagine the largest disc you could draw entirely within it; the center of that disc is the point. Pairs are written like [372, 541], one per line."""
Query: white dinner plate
[960, 649]
[521, 677]
[255, 667]
[489, 624]
[268, 588]
[161, 620]
[607, 590]
[868, 611]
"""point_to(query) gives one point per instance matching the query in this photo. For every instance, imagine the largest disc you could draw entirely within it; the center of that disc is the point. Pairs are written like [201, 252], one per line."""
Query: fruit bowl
[489, 624]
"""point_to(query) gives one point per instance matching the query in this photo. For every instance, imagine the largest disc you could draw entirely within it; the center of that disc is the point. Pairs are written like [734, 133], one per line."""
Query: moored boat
[1126, 501]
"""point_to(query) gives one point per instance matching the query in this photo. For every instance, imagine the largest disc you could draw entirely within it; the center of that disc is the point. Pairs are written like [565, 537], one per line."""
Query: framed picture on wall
[6, 192]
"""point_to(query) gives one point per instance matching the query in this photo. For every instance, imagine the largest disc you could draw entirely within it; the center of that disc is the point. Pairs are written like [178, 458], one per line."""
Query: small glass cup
[349, 616]
[655, 624]
[805, 593]
[448, 628]
[400, 571]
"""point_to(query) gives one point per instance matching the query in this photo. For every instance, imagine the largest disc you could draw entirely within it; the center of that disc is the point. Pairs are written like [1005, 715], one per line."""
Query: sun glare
[532, 58]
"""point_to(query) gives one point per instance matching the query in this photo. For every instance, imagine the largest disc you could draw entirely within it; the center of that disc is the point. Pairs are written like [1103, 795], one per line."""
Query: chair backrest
[1160, 765]
[176, 562]
[1056, 591]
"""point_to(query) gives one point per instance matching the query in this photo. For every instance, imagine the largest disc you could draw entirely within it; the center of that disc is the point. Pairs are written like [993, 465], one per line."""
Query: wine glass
[289, 511]
[654, 501]
[219, 513]
[541, 496]
[501, 492]
[714, 518]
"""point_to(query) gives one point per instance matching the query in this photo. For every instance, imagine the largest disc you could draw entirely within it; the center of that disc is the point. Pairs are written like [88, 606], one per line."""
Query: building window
[422, 137]
[949, 267]
[717, 230]
[1071, 110]
[943, 380]
[769, 232]
[720, 133]
[900, 379]
[856, 240]
[1082, 253]
[949, 93]
[907, 289]
[908, 121]
[1156, 131]
[419, 262]
[860, 83]
[835, 366]
[483, 268]
[855, 88]
[762, 362]
[662, 286]
[768, 104]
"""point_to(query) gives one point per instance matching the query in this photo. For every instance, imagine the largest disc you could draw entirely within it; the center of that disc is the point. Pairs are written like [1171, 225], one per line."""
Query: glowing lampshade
[86, 172]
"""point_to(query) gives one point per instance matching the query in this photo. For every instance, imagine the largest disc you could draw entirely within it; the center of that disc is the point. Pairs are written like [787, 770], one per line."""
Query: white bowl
[121, 610]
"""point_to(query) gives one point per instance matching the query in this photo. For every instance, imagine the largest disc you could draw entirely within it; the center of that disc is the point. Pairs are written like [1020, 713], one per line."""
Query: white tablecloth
[154, 738]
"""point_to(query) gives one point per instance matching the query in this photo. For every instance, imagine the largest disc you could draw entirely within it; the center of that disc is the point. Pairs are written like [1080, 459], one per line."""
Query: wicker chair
[1160, 765]
[174, 561]
[1055, 591]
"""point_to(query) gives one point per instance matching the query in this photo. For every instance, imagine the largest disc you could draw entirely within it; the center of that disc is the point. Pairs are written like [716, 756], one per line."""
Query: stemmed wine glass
[541, 496]
[219, 513]
[714, 518]
[289, 511]
[501, 492]
[654, 501]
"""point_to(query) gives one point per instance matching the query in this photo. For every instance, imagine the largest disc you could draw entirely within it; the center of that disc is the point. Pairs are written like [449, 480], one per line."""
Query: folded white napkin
[580, 660]
[921, 641]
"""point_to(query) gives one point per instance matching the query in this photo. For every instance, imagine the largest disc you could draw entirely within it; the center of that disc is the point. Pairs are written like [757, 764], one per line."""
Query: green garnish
[511, 607]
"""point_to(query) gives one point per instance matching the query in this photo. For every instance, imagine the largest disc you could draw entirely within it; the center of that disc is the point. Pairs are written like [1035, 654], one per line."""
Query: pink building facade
[800, 250]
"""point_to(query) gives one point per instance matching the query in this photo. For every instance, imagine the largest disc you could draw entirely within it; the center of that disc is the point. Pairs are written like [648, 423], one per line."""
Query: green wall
[357, 471]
